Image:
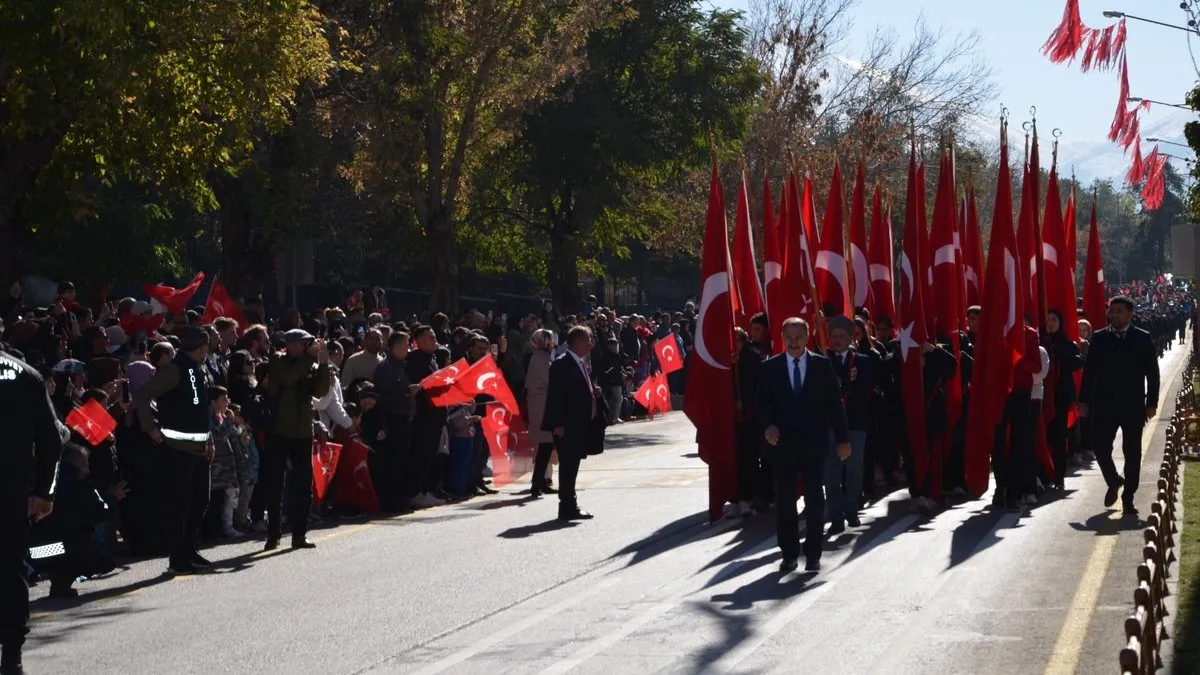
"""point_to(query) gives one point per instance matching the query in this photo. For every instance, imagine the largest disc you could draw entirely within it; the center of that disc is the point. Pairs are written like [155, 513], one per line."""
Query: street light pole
[1110, 14]
[1135, 99]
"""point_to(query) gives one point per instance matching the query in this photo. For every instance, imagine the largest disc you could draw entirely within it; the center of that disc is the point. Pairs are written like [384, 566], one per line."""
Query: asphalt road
[496, 585]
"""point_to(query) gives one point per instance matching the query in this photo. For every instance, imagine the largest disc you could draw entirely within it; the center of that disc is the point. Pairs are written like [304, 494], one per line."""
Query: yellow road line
[1068, 648]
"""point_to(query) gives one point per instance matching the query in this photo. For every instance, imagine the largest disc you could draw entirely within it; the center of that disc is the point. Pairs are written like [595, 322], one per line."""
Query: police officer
[32, 443]
[180, 389]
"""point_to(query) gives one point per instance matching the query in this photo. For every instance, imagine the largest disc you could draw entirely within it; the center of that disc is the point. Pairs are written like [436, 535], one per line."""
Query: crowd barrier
[1145, 629]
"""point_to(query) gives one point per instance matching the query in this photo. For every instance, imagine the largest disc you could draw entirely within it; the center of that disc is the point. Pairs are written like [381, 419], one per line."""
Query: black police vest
[183, 411]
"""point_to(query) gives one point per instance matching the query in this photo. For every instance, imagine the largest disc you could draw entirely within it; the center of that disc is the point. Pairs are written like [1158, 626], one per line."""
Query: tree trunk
[235, 234]
[443, 293]
[564, 270]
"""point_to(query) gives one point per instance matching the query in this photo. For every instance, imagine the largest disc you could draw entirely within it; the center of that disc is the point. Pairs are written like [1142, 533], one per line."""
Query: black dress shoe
[547, 490]
[574, 515]
[11, 663]
[853, 520]
[836, 528]
[487, 490]
[199, 560]
[535, 494]
[272, 544]
[182, 568]
[789, 565]
[1129, 509]
[303, 542]
[1110, 497]
[812, 565]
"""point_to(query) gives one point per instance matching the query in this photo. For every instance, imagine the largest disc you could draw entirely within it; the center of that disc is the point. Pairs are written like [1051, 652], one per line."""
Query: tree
[449, 81]
[641, 113]
[155, 92]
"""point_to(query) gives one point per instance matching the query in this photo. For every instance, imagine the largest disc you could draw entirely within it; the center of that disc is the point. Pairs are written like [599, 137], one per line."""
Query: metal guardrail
[1145, 629]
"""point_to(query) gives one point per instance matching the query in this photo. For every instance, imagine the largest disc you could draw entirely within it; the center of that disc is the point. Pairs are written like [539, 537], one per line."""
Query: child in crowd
[225, 481]
[246, 452]
[629, 406]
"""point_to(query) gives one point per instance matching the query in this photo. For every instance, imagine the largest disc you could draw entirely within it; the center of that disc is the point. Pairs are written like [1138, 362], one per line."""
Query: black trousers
[293, 457]
[541, 462]
[787, 519]
[185, 490]
[387, 464]
[570, 454]
[418, 461]
[14, 546]
[478, 460]
[1056, 437]
[1104, 431]
[749, 442]
[1020, 466]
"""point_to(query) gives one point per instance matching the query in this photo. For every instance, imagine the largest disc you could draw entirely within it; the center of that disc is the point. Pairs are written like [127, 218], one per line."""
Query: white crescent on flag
[861, 271]
[482, 381]
[714, 286]
[1010, 279]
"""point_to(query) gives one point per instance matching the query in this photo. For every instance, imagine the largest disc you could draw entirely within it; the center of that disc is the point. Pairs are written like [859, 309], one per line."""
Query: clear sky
[1082, 105]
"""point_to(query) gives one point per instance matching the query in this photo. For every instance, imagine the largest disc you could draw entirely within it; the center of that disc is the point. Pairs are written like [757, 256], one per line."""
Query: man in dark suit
[799, 402]
[843, 480]
[571, 416]
[1120, 391]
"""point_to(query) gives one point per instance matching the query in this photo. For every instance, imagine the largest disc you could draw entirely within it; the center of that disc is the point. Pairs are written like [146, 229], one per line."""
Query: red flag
[1026, 243]
[92, 422]
[883, 297]
[667, 351]
[926, 270]
[861, 279]
[483, 377]
[913, 331]
[745, 264]
[709, 399]
[1001, 337]
[833, 284]
[1095, 296]
[166, 299]
[646, 396]
[772, 265]
[351, 486]
[809, 241]
[496, 424]
[220, 304]
[324, 464]
[444, 377]
[1037, 275]
[973, 253]
[1072, 236]
[1054, 243]
[947, 278]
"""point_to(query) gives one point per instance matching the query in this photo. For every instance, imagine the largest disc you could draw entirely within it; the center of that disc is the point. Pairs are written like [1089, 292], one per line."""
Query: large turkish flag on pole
[1095, 296]
[1001, 337]
[772, 266]
[745, 264]
[973, 252]
[859, 265]
[833, 286]
[883, 294]
[913, 332]
[709, 398]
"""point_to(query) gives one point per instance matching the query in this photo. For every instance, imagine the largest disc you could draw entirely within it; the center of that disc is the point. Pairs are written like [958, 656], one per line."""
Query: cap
[841, 323]
[296, 335]
[192, 338]
[70, 367]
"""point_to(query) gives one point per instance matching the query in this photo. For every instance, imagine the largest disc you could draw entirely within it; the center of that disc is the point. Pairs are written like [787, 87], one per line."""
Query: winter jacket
[291, 386]
[223, 471]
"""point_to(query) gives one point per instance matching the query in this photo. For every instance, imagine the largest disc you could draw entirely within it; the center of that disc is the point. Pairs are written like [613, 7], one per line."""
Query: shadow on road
[968, 537]
[1102, 524]
[539, 528]
[668, 537]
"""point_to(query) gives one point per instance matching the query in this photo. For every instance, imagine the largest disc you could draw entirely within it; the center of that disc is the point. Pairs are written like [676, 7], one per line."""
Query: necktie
[796, 381]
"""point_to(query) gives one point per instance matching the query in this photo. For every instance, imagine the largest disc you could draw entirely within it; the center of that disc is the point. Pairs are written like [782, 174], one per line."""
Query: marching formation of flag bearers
[842, 361]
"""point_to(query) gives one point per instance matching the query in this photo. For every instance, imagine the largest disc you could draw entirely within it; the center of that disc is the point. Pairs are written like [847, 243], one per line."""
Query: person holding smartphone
[295, 377]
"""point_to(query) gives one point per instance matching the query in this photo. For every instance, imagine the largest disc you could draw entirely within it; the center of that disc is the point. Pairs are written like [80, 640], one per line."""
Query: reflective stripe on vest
[201, 437]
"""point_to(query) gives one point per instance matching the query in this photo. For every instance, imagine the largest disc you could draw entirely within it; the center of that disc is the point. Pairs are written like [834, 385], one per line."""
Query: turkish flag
[833, 284]
[483, 377]
[439, 385]
[883, 294]
[973, 253]
[1054, 243]
[645, 396]
[1095, 296]
[166, 299]
[654, 394]
[745, 265]
[913, 333]
[709, 399]
[352, 486]
[92, 422]
[667, 351]
[947, 278]
[772, 266]
[926, 271]
[497, 427]
[220, 304]
[797, 290]
[1026, 243]
[1001, 336]
[1072, 240]
[861, 279]
[324, 464]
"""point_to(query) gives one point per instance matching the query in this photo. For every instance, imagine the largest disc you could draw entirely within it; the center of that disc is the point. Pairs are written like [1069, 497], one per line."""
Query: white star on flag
[906, 340]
